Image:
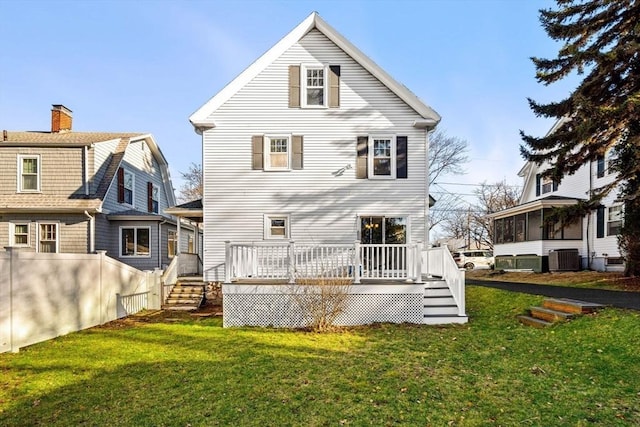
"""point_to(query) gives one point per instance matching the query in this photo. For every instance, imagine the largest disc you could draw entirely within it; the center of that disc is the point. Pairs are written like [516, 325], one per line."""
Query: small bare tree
[192, 188]
[320, 301]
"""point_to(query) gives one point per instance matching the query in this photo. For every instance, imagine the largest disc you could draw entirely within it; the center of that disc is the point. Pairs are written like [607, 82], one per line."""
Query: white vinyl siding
[324, 199]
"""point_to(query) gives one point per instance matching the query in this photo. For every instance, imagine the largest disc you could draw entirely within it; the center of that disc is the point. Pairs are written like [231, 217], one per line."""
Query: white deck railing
[290, 261]
[439, 262]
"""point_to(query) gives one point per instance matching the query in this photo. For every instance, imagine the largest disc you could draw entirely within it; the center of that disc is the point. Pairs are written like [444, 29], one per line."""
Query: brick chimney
[60, 119]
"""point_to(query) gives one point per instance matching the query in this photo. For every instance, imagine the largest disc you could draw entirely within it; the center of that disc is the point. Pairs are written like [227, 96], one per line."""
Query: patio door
[384, 241]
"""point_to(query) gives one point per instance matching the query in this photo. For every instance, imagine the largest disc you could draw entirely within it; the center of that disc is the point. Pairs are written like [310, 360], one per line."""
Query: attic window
[314, 86]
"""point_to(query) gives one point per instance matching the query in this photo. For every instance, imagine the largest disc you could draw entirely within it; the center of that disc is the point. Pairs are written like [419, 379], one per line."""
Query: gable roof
[200, 118]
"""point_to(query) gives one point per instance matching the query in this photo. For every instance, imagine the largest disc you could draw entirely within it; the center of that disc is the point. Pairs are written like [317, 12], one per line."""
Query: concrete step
[571, 306]
[532, 321]
[550, 315]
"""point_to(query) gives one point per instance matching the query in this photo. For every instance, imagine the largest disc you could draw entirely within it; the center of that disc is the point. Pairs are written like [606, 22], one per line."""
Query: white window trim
[12, 236]
[133, 187]
[267, 152]
[57, 228]
[267, 226]
[303, 84]
[135, 235]
[371, 155]
[21, 157]
[609, 220]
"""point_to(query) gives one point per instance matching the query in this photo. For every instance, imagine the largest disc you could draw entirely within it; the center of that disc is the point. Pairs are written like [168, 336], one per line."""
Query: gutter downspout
[92, 232]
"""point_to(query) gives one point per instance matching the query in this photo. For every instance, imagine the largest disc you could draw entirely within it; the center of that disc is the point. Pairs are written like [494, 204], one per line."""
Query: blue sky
[146, 66]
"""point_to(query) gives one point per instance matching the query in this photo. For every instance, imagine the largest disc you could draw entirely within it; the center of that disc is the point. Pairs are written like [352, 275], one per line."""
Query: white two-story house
[314, 144]
[524, 239]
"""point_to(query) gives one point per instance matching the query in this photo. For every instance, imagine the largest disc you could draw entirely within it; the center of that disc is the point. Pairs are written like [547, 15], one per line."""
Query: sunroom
[524, 236]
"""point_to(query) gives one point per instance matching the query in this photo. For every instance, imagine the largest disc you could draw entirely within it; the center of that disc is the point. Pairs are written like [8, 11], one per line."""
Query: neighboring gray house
[80, 192]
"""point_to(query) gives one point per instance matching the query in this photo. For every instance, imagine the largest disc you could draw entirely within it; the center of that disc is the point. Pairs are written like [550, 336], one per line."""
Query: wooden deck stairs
[556, 311]
[188, 294]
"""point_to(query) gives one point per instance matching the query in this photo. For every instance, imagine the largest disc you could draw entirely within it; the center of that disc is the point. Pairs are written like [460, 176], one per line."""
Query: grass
[186, 371]
[578, 279]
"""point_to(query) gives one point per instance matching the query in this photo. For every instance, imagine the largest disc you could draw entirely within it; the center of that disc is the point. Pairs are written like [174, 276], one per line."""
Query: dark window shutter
[120, 185]
[600, 222]
[294, 86]
[297, 148]
[555, 185]
[334, 86]
[257, 148]
[538, 179]
[401, 157]
[600, 166]
[149, 197]
[361, 161]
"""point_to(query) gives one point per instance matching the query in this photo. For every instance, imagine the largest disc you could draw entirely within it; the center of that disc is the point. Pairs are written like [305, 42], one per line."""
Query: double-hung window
[382, 162]
[277, 152]
[135, 241]
[614, 220]
[276, 226]
[20, 234]
[48, 238]
[314, 86]
[129, 181]
[29, 173]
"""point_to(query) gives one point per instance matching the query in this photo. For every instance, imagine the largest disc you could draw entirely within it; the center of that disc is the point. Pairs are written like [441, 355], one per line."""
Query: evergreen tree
[602, 43]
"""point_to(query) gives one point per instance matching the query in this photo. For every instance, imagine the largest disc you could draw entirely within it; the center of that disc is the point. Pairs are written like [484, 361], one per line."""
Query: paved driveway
[618, 299]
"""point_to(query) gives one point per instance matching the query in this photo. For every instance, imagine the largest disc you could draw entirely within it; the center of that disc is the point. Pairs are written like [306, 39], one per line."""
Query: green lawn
[192, 372]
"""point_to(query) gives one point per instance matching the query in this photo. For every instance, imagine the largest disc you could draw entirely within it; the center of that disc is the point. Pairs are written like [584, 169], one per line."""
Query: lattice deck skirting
[275, 305]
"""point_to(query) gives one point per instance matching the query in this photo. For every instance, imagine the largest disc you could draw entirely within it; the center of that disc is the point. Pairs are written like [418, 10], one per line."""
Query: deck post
[292, 258]
[356, 262]
[227, 261]
[418, 262]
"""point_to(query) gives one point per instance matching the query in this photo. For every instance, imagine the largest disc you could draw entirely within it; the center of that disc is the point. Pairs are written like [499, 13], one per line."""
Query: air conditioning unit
[564, 260]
